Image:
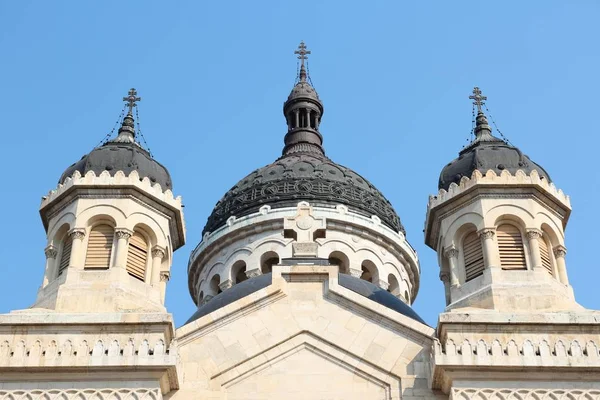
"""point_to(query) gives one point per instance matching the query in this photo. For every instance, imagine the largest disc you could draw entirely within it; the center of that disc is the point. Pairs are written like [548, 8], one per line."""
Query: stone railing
[119, 179]
[83, 352]
[525, 394]
[491, 178]
[529, 352]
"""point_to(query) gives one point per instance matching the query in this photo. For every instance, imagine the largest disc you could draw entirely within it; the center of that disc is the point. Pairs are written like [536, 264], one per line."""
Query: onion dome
[303, 172]
[486, 152]
[123, 153]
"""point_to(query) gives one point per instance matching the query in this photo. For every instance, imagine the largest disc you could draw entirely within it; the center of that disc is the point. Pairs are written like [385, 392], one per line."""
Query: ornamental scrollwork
[451, 252]
[487, 233]
[165, 276]
[158, 251]
[123, 233]
[51, 251]
[77, 233]
[560, 251]
[534, 234]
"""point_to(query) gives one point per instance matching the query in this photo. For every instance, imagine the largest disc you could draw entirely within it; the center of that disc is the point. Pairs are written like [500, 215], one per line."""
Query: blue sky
[394, 77]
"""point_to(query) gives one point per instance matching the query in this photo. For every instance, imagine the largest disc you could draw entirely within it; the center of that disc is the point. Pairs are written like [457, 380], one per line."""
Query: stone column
[490, 251]
[297, 114]
[560, 252]
[77, 235]
[158, 253]
[451, 254]
[50, 271]
[164, 278]
[123, 235]
[534, 236]
[308, 118]
[445, 278]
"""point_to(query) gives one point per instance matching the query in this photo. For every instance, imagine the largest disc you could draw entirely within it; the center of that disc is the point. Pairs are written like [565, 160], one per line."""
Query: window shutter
[137, 255]
[65, 256]
[510, 246]
[546, 261]
[99, 247]
[473, 256]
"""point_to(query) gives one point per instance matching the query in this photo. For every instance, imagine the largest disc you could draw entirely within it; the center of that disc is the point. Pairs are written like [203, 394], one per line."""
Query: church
[303, 282]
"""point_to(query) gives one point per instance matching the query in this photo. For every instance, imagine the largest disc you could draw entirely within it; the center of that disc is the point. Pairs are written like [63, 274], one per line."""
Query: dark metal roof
[122, 154]
[303, 172]
[485, 153]
[362, 287]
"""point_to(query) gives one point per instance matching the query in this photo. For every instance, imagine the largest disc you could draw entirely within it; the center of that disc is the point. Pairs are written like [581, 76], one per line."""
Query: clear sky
[394, 77]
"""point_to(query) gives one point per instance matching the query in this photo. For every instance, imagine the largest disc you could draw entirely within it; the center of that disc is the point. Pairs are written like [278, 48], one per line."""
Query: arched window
[369, 272]
[393, 285]
[510, 247]
[238, 271]
[267, 261]
[137, 256]
[214, 285]
[473, 256]
[545, 255]
[99, 247]
[341, 260]
[65, 254]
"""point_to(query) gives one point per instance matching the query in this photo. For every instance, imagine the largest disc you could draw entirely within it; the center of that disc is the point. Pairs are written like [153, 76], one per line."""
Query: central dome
[303, 172]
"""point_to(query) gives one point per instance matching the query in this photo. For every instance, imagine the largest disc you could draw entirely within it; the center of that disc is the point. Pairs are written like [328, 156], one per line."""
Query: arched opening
[267, 261]
[200, 297]
[369, 272]
[214, 285]
[99, 247]
[393, 285]
[472, 256]
[510, 247]
[238, 271]
[137, 255]
[65, 253]
[407, 297]
[341, 260]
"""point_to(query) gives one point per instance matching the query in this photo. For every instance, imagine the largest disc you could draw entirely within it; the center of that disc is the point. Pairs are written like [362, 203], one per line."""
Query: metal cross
[302, 52]
[131, 99]
[477, 98]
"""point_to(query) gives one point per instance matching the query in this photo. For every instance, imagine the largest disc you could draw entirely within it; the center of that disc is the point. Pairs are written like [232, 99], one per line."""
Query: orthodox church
[303, 282]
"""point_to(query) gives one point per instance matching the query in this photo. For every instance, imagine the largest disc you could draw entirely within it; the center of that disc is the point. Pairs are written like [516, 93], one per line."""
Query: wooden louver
[545, 255]
[473, 256]
[99, 247]
[137, 254]
[510, 246]
[65, 256]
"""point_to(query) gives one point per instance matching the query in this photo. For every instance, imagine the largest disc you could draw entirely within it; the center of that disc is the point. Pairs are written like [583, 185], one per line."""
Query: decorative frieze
[80, 394]
[572, 393]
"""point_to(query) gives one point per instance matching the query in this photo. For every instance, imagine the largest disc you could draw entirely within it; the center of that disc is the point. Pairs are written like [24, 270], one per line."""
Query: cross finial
[478, 98]
[131, 99]
[302, 53]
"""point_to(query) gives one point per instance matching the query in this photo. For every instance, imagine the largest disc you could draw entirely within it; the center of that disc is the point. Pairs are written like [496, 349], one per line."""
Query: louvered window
[473, 256]
[545, 254]
[65, 255]
[137, 254]
[99, 247]
[510, 246]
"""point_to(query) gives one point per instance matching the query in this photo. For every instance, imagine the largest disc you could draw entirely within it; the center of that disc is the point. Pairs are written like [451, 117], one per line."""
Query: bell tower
[497, 225]
[112, 226]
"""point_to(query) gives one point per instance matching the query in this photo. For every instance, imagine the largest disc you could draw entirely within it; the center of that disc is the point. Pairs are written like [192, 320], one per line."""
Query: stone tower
[112, 226]
[497, 225]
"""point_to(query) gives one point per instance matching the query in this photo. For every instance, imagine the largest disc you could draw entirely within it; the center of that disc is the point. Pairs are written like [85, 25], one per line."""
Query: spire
[483, 132]
[303, 111]
[127, 129]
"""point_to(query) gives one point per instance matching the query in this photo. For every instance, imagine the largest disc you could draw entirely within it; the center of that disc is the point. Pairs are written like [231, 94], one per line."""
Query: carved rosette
[560, 251]
[487, 233]
[77, 233]
[534, 234]
[51, 251]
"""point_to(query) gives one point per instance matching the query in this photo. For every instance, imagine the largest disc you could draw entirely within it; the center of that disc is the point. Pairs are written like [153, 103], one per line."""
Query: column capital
[560, 251]
[51, 251]
[165, 276]
[487, 233]
[533, 233]
[123, 233]
[357, 273]
[77, 233]
[383, 284]
[225, 285]
[445, 276]
[158, 251]
[451, 252]
[253, 273]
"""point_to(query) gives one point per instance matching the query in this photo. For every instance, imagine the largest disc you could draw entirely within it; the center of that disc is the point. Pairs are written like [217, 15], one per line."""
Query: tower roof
[486, 152]
[303, 172]
[123, 153]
